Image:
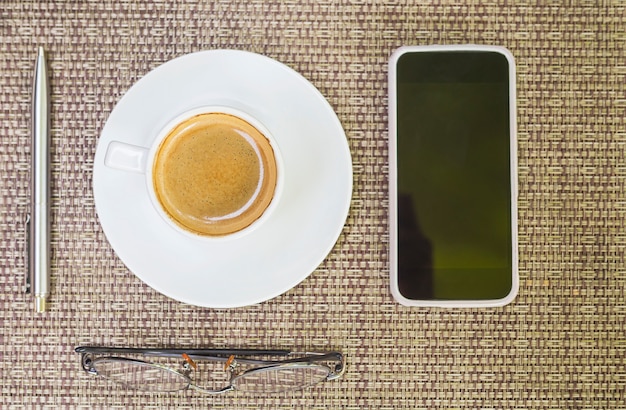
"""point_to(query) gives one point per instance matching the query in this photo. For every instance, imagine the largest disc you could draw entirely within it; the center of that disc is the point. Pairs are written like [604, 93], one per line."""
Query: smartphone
[453, 176]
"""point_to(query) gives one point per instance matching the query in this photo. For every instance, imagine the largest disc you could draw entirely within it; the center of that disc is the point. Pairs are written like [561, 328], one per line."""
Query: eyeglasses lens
[279, 378]
[140, 375]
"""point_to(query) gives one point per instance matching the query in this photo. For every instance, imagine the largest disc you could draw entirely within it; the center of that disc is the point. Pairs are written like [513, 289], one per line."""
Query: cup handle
[126, 157]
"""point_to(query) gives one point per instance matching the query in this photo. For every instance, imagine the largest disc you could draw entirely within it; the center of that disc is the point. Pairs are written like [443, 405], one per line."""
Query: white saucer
[299, 234]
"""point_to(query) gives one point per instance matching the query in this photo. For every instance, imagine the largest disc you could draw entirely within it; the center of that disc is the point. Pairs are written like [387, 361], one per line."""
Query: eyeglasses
[254, 371]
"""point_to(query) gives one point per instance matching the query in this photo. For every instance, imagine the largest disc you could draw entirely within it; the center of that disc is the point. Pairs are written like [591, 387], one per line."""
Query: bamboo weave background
[561, 344]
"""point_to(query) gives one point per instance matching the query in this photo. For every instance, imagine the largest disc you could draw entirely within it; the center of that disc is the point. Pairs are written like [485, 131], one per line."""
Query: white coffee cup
[212, 199]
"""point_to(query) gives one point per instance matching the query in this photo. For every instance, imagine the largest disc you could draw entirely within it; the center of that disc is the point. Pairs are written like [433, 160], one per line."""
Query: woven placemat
[561, 344]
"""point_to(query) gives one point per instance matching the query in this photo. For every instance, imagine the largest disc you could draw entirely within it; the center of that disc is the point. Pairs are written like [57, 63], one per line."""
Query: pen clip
[27, 261]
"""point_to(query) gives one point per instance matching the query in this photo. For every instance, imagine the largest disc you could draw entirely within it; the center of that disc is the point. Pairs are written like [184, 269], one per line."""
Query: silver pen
[38, 280]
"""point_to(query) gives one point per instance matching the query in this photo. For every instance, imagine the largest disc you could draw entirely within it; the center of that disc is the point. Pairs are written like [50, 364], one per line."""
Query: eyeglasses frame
[243, 356]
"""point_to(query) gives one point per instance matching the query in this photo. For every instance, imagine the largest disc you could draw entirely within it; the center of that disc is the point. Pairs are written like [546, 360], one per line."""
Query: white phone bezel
[393, 178]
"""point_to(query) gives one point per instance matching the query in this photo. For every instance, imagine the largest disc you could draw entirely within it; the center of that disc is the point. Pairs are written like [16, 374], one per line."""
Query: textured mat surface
[561, 344]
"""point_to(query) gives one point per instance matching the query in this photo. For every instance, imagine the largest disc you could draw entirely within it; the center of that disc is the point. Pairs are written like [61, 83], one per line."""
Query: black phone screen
[454, 176]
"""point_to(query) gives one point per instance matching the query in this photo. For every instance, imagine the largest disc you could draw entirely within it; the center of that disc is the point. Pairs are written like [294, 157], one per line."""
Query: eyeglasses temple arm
[217, 353]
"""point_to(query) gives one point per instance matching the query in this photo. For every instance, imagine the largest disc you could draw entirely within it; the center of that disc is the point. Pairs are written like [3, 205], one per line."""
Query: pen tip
[40, 304]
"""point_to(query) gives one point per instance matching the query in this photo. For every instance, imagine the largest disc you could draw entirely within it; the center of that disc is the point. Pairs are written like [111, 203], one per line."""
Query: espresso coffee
[214, 174]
